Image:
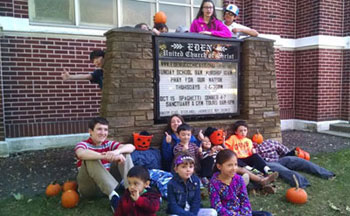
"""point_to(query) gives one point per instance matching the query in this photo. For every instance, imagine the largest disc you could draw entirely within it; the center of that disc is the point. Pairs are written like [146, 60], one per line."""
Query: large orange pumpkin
[70, 185]
[53, 189]
[69, 199]
[258, 138]
[160, 17]
[296, 195]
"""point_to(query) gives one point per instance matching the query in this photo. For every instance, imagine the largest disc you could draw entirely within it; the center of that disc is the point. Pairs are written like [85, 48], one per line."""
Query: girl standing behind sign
[207, 23]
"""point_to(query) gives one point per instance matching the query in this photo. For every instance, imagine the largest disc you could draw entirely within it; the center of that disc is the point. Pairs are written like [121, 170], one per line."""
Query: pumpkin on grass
[258, 138]
[296, 195]
[53, 189]
[70, 185]
[69, 199]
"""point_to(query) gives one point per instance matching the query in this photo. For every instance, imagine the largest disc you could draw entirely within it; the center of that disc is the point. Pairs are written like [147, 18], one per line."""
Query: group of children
[183, 155]
[227, 165]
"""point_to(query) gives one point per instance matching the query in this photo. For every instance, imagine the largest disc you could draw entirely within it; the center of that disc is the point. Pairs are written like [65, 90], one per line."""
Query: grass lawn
[325, 197]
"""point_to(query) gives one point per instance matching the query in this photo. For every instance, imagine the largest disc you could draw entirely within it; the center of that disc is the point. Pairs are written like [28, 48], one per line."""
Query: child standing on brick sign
[96, 76]
[207, 23]
[230, 16]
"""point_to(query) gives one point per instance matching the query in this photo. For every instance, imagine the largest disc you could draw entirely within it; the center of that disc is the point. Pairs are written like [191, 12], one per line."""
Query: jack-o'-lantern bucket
[142, 142]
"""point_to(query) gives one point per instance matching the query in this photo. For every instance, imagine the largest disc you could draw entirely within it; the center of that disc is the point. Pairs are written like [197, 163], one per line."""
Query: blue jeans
[286, 166]
[261, 213]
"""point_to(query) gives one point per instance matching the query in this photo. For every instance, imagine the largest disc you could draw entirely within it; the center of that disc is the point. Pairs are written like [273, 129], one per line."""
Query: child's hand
[135, 195]
[254, 151]
[200, 135]
[185, 147]
[167, 138]
[114, 157]
[155, 31]
[205, 32]
[200, 149]
[65, 75]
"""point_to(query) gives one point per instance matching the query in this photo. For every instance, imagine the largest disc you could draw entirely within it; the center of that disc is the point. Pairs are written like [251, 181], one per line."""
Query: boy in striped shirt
[99, 160]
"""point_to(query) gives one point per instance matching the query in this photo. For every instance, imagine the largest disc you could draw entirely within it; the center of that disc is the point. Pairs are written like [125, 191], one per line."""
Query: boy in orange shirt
[243, 147]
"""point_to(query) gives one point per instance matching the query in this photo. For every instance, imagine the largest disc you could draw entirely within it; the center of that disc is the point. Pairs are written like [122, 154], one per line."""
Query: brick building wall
[14, 8]
[318, 84]
[307, 15]
[329, 84]
[36, 100]
[331, 17]
[345, 106]
[285, 77]
[2, 123]
[346, 13]
[269, 17]
[306, 84]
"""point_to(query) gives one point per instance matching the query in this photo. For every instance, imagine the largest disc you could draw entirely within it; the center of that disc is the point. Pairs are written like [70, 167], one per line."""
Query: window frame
[117, 14]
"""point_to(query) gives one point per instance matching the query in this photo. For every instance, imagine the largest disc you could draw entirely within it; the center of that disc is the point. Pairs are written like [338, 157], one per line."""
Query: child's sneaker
[255, 171]
[114, 202]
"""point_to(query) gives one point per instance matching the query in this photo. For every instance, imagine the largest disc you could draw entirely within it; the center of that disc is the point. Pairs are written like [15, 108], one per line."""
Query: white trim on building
[298, 124]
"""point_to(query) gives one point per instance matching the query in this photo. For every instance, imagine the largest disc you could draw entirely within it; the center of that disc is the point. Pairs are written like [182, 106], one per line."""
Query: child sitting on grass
[185, 146]
[184, 196]
[243, 147]
[227, 191]
[138, 199]
[208, 159]
[207, 163]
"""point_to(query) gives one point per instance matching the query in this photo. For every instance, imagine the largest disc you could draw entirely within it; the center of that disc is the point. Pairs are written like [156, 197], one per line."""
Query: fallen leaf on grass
[333, 206]
[18, 196]
[347, 208]
[29, 200]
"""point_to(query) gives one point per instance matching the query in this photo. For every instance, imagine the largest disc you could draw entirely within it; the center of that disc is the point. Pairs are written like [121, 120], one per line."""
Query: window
[52, 11]
[110, 13]
[101, 13]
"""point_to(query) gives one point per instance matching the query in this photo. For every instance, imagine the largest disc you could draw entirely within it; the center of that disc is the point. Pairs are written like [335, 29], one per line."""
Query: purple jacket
[229, 200]
[220, 29]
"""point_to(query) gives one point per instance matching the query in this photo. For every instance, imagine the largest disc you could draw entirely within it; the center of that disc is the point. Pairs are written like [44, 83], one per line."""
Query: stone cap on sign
[258, 39]
[127, 29]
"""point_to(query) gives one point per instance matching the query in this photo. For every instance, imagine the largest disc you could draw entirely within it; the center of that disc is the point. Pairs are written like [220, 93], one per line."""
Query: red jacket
[147, 204]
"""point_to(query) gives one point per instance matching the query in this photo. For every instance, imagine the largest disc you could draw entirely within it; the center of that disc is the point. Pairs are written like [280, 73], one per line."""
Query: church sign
[196, 78]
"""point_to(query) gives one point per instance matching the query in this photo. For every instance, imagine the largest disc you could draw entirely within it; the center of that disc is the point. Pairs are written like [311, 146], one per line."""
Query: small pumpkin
[160, 17]
[53, 189]
[258, 138]
[70, 185]
[70, 199]
[296, 195]
[302, 154]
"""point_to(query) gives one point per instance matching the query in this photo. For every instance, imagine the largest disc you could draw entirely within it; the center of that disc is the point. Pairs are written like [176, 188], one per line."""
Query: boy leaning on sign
[97, 57]
[230, 16]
